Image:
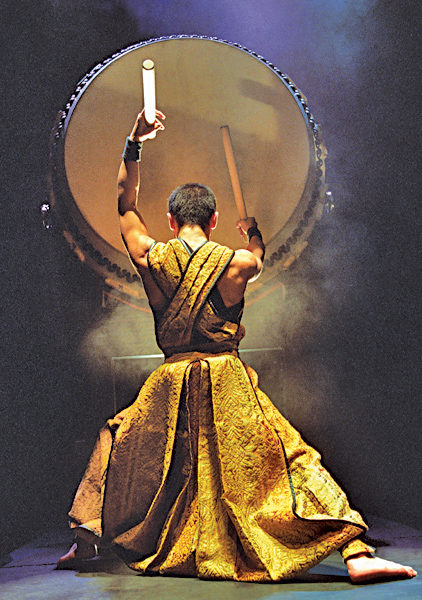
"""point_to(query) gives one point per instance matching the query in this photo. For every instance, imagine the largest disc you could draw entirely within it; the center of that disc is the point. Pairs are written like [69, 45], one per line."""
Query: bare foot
[365, 568]
[79, 551]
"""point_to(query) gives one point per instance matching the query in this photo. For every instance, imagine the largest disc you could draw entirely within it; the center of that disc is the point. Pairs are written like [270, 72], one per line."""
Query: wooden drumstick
[237, 190]
[148, 80]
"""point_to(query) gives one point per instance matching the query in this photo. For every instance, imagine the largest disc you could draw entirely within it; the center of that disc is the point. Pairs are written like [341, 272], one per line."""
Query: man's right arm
[132, 224]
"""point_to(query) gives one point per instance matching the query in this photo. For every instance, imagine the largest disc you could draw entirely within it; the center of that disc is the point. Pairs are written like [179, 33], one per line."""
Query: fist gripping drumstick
[148, 80]
[237, 190]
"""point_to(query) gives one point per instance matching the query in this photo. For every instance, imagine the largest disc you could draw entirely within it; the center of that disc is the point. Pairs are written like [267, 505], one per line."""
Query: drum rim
[78, 231]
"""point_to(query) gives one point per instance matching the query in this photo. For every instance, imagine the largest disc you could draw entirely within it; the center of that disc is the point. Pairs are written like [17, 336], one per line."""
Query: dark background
[350, 323]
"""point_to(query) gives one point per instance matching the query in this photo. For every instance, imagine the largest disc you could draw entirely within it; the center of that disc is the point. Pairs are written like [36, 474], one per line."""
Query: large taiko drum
[202, 84]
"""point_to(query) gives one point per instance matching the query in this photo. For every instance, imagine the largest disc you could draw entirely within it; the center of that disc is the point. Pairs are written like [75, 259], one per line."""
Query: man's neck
[193, 235]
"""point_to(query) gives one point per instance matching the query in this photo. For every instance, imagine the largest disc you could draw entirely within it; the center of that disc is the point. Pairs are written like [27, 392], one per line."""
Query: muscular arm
[132, 225]
[245, 264]
[256, 247]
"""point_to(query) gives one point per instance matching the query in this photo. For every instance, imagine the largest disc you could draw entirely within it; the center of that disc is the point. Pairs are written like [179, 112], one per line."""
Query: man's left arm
[132, 224]
[251, 257]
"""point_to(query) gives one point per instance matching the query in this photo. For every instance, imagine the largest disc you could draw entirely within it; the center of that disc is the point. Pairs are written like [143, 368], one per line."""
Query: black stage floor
[29, 573]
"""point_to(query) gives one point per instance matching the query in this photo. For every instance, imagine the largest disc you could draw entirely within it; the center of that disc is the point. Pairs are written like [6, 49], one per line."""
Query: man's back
[193, 315]
[231, 284]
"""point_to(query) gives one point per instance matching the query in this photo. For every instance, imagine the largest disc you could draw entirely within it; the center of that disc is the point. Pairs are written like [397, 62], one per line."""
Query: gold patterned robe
[201, 475]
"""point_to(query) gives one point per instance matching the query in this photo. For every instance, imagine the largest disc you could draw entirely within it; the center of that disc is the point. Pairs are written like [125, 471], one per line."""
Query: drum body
[202, 84]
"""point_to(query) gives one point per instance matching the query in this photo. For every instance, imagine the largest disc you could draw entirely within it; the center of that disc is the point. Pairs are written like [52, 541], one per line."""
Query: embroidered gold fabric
[201, 475]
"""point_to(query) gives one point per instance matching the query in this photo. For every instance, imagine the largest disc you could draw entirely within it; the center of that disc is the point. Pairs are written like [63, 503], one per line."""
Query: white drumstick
[148, 80]
[237, 190]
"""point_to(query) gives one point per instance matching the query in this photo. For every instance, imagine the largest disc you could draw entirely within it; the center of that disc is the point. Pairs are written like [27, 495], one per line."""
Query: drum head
[201, 85]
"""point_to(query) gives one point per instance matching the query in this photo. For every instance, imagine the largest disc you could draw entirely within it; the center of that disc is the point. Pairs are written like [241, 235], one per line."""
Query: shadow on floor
[29, 573]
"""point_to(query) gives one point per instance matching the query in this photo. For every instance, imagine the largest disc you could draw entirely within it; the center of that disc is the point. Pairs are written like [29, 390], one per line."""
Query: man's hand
[142, 131]
[244, 224]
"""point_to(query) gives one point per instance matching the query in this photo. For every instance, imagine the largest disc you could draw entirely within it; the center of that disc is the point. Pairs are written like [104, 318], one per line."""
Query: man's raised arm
[132, 225]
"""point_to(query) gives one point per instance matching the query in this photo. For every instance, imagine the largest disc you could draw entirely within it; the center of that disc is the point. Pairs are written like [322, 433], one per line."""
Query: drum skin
[201, 85]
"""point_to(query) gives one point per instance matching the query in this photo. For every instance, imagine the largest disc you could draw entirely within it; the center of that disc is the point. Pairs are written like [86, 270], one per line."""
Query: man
[201, 475]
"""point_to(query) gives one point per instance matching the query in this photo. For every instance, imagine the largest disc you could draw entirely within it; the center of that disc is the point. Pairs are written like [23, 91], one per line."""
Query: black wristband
[132, 150]
[253, 231]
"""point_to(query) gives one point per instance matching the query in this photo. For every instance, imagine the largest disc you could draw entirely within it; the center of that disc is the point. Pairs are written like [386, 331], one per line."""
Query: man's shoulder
[244, 257]
[157, 249]
[162, 253]
[243, 265]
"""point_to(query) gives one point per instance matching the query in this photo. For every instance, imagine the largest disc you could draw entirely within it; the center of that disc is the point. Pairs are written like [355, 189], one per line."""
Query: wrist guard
[253, 231]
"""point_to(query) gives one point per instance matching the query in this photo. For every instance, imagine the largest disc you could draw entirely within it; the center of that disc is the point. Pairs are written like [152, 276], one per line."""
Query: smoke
[122, 332]
[357, 62]
[321, 44]
[324, 46]
[317, 45]
[322, 30]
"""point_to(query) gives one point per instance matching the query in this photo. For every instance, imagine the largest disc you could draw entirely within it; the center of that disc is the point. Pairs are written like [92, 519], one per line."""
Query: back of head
[192, 204]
